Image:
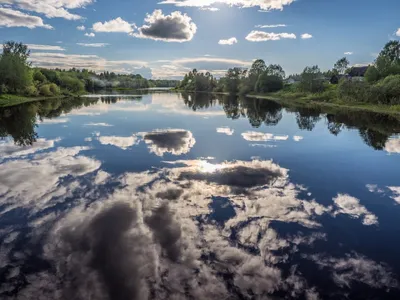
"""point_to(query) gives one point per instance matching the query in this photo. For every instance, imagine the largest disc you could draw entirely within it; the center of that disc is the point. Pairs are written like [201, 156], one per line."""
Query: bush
[44, 90]
[372, 74]
[31, 91]
[54, 89]
[3, 89]
[38, 76]
[353, 91]
[269, 83]
[390, 87]
[72, 84]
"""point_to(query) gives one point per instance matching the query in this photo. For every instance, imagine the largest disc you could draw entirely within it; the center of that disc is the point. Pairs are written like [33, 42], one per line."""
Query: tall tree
[341, 65]
[391, 51]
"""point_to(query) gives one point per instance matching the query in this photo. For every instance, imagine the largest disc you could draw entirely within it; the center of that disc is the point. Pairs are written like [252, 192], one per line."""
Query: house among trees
[357, 73]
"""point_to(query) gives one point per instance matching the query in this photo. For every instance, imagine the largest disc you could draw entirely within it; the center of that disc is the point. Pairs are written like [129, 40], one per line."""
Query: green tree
[391, 51]
[311, 80]
[341, 65]
[269, 83]
[14, 73]
[372, 74]
[275, 70]
[16, 49]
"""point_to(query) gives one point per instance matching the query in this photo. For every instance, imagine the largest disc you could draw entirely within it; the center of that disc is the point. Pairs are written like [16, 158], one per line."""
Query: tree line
[18, 77]
[379, 85]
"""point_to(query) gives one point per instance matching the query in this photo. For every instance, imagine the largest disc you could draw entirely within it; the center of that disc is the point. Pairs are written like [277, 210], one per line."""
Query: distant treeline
[378, 83]
[18, 77]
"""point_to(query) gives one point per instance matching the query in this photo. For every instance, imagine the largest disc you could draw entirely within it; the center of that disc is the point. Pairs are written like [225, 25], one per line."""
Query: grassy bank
[11, 100]
[325, 100]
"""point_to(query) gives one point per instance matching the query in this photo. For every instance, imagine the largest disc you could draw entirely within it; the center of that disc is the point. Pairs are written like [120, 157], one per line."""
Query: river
[162, 195]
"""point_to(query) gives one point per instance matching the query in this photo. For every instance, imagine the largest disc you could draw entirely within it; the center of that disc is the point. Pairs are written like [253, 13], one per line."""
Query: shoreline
[17, 100]
[356, 106]
[288, 100]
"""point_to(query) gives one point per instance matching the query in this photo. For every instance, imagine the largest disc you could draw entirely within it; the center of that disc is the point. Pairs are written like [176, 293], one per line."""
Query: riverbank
[322, 101]
[11, 100]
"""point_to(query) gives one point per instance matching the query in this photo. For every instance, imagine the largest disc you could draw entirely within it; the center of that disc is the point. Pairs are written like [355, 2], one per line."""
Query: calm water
[170, 196]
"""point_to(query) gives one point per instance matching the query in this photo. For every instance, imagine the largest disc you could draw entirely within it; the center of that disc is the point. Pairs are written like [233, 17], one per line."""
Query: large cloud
[155, 236]
[351, 206]
[261, 36]
[15, 18]
[174, 141]
[50, 8]
[119, 141]
[116, 25]
[393, 145]
[176, 27]
[262, 4]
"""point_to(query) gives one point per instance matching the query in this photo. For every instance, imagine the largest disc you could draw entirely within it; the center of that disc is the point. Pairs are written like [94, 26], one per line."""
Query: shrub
[54, 89]
[390, 87]
[44, 90]
[3, 89]
[38, 76]
[31, 91]
[353, 91]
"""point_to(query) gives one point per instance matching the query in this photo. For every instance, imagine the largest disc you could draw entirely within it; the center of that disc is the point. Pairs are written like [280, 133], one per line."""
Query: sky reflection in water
[176, 196]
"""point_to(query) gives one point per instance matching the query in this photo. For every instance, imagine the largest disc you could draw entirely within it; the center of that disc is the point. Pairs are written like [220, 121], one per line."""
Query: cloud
[393, 145]
[261, 36]
[45, 47]
[119, 141]
[264, 5]
[15, 18]
[80, 61]
[93, 45]
[81, 28]
[9, 150]
[225, 130]
[357, 268]
[32, 183]
[398, 32]
[395, 193]
[90, 34]
[297, 138]
[174, 141]
[116, 25]
[98, 124]
[348, 53]
[254, 136]
[230, 41]
[54, 121]
[351, 206]
[213, 9]
[306, 36]
[271, 26]
[176, 27]
[51, 8]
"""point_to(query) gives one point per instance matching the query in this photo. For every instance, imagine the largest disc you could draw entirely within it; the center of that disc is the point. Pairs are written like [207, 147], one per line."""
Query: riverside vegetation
[380, 86]
[20, 82]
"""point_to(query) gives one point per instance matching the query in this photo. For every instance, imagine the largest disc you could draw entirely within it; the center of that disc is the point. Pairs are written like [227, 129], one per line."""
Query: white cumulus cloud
[230, 41]
[90, 34]
[306, 36]
[81, 28]
[116, 25]
[15, 18]
[261, 36]
[176, 27]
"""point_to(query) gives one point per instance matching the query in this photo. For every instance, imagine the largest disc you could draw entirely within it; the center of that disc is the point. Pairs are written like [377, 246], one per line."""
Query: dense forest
[379, 84]
[18, 77]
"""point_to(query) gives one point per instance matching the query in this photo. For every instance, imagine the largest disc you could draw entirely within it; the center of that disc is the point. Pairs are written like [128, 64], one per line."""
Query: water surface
[171, 196]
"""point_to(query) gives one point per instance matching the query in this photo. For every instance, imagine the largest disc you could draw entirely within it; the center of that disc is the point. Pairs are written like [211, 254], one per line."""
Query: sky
[167, 38]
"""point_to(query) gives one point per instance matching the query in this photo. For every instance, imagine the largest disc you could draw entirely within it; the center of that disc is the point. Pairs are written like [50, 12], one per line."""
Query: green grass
[325, 99]
[10, 100]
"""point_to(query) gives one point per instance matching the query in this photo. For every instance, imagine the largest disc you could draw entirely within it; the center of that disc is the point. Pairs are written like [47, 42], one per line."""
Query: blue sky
[165, 40]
